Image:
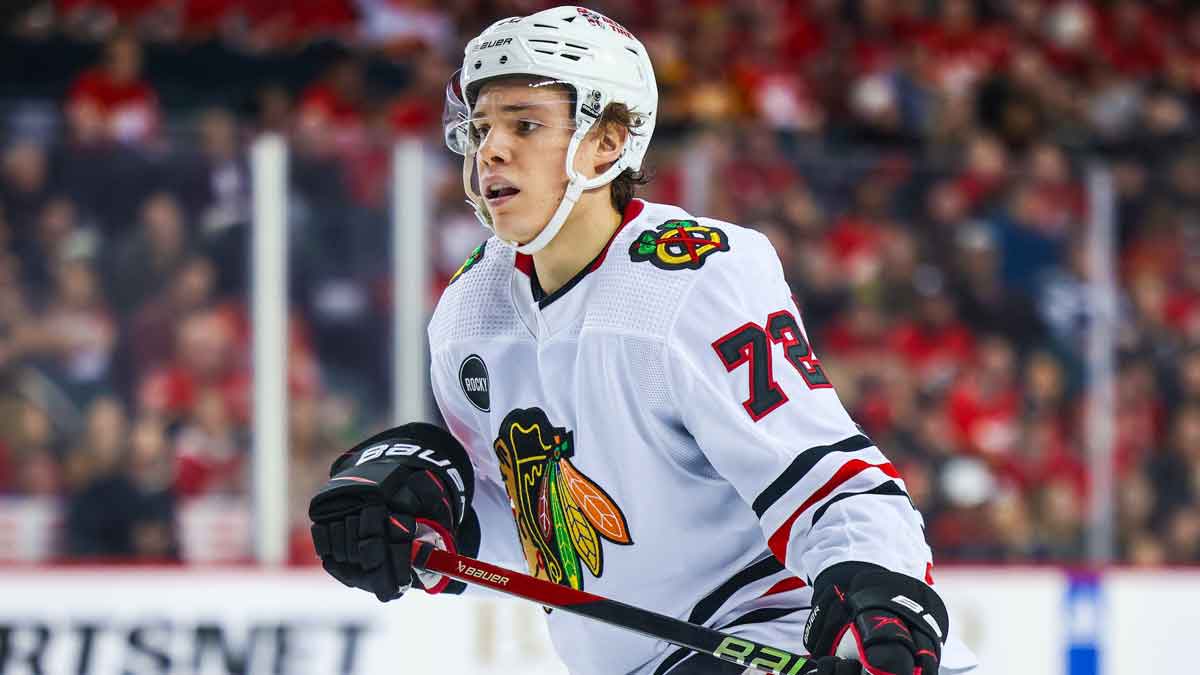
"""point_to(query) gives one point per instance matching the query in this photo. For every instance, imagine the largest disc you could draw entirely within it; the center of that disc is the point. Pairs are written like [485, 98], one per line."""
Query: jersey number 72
[752, 344]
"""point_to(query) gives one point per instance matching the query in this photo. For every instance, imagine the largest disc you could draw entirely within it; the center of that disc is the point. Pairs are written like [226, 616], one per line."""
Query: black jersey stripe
[680, 657]
[707, 607]
[672, 660]
[889, 488]
[800, 467]
[763, 615]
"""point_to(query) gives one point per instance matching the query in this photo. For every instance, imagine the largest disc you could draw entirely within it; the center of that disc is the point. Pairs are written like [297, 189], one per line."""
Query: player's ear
[609, 138]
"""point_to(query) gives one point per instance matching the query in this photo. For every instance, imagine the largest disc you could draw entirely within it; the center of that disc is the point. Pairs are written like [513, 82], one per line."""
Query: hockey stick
[698, 638]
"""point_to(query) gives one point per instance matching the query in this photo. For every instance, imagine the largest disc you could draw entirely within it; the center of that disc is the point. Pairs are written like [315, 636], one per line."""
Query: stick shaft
[699, 638]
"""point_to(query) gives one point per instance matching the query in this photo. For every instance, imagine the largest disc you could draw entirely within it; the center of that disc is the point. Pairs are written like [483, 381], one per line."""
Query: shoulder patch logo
[678, 244]
[473, 378]
[562, 515]
[475, 256]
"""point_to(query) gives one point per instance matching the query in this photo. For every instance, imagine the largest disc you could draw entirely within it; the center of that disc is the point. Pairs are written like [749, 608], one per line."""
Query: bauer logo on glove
[409, 483]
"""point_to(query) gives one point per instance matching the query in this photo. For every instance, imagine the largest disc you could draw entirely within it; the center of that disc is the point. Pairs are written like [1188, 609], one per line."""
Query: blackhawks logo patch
[562, 516]
[678, 244]
[475, 256]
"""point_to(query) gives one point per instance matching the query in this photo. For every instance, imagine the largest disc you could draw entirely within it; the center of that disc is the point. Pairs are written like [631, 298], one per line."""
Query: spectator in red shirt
[417, 110]
[759, 171]
[8, 469]
[202, 19]
[212, 351]
[985, 403]
[961, 50]
[1050, 176]
[111, 102]
[877, 37]
[209, 452]
[204, 360]
[1141, 418]
[859, 333]
[935, 345]
[267, 23]
[1131, 39]
[859, 355]
[986, 169]
[1070, 30]
[858, 237]
[332, 111]
[317, 19]
[303, 372]
[152, 332]
[1183, 302]
[1042, 454]
[771, 71]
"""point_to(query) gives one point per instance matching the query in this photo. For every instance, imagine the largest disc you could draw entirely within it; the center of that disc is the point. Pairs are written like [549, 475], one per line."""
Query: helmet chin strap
[574, 190]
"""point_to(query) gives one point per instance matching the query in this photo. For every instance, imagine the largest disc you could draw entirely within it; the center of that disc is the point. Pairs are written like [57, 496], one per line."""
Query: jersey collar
[524, 262]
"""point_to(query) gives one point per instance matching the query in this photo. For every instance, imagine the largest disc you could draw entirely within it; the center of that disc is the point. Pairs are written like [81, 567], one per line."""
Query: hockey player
[633, 405]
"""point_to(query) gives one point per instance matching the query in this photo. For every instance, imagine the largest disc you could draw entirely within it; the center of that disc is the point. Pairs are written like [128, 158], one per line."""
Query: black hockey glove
[892, 623]
[411, 482]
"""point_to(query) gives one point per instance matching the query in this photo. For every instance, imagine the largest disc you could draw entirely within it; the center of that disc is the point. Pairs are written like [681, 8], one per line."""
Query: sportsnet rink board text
[172, 621]
[1141, 623]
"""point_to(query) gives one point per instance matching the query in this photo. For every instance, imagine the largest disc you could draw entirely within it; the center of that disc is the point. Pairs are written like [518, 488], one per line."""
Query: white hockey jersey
[659, 432]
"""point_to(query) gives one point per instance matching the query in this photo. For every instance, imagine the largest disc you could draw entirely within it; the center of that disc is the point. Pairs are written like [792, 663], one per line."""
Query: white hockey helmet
[593, 55]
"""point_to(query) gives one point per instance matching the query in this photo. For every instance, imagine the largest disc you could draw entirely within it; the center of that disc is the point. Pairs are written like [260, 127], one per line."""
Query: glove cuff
[434, 533]
[842, 575]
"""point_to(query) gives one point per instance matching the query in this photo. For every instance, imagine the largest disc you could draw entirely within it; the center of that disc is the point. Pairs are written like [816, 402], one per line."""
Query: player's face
[523, 132]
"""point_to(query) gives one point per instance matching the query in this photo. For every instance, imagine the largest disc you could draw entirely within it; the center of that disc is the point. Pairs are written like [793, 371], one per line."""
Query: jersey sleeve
[753, 394]
[498, 542]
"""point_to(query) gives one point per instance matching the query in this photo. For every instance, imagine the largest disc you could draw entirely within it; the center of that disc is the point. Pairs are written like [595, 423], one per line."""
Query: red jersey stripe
[779, 540]
[789, 584]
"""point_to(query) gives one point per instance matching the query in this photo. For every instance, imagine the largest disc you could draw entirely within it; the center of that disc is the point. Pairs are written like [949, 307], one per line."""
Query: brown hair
[625, 184]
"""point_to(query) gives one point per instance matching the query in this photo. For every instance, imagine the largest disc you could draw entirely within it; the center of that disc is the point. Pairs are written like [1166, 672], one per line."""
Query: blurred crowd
[925, 169]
